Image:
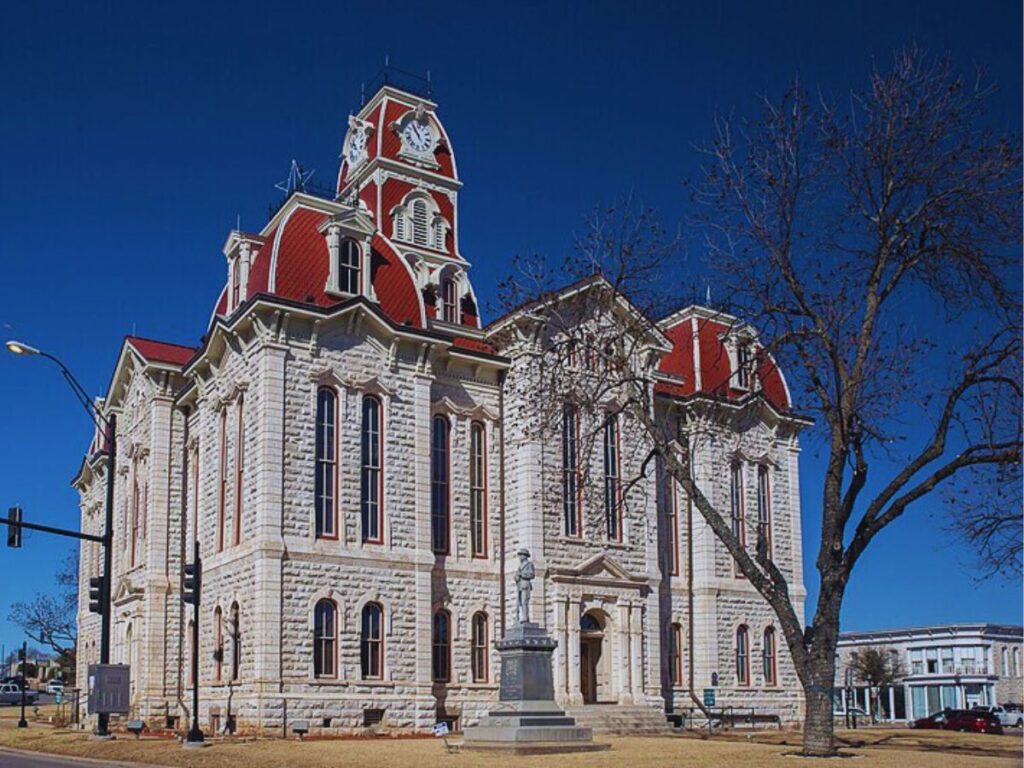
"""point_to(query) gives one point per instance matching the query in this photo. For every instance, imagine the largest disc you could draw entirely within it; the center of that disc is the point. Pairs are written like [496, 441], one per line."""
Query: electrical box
[109, 689]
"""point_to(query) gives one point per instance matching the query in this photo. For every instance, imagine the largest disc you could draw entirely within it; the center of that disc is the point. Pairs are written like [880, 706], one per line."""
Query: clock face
[418, 136]
[357, 146]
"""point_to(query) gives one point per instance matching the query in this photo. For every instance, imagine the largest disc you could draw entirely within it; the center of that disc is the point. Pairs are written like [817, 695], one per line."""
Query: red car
[961, 720]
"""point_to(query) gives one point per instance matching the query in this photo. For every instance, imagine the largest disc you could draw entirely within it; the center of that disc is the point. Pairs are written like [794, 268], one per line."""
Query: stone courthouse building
[346, 447]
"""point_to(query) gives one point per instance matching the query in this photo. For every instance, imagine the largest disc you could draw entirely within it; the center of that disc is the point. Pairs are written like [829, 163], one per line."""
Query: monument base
[526, 720]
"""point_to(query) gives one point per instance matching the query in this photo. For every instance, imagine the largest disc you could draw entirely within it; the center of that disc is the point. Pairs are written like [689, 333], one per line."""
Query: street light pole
[108, 425]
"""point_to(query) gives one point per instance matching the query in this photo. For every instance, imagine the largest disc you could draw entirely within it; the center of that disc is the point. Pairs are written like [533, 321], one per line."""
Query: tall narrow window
[442, 647]
[371, 642]
[218, 644]
[449, 302]
[742, 656]
[349, 257]
[675, 655]
[438, 232]
[326, 463]
[671, 523]
[736, 501]
[371, 478]
[236, 643]
[570, 470]
[325, 638]
[239, 469]
[419, 222]
[439, 517]
[478, 489]
[743, 365]
[222, 480]
[768, 656]
[234, 284]
[479, 649]
[764, 510]
[612, 490]
[134, 511]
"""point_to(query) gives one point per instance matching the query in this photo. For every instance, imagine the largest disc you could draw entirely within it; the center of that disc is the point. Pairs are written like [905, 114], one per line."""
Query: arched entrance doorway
[594, 657]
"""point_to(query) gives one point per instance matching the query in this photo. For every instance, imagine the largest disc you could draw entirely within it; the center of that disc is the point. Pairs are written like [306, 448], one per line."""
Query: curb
[84, 761]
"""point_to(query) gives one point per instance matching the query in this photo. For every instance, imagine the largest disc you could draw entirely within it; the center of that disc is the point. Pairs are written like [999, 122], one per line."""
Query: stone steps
[632, 719]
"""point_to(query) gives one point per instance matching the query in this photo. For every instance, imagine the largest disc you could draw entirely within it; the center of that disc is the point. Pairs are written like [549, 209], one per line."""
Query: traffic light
[96, 594]
[14, 527]
[190, 585]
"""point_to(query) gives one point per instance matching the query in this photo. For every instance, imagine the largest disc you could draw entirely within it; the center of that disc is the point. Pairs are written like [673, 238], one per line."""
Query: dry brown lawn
[639, 752]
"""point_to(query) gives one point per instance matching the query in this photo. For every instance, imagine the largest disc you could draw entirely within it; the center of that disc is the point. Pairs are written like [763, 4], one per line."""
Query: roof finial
[297, 179]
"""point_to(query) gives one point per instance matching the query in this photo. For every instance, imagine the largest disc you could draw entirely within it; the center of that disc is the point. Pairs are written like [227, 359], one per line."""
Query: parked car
[10, 693]
[55, 686]
[1007, 717]
[960, 720]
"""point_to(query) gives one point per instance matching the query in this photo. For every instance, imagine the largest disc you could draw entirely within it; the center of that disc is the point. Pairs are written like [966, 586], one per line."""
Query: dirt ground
[892, 749]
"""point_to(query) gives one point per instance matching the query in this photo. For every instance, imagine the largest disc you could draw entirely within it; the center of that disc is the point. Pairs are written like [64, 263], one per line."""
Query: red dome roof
[294, 262]
[706, 367]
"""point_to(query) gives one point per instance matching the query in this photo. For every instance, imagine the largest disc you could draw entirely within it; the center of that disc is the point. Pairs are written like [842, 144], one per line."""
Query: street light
[107, 425]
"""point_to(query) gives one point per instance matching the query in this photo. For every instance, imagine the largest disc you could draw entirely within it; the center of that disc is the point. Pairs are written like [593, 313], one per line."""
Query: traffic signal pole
[103, 722]
[190, 594]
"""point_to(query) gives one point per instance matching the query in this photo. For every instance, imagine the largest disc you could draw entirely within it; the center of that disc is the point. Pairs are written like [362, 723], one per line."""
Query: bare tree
[879, 669]
[51, 619]
[876, 247]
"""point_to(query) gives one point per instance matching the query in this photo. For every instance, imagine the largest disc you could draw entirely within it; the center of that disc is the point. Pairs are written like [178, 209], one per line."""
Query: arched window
[1016, 662]
[419, 221]
[743, 365]
[371, 642]
[239, 468]
[326, 463]
[349, 258]
[570, 471]
[236, 643]
[325, 638]
[764, 510]
[218, 644]
[478, 490]
[612, 490]
[449, 301]
[768, 656]
[742, 656]
[439, 518]
[372, 477]
[134, 512]
[222, 479]
[1006, 662]
[736, 501]
[675, 655]
[479, 650]
[442, 647]
[438, 230]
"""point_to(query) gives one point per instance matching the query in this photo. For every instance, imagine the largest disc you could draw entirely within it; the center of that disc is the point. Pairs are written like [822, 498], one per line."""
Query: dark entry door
[589, 654]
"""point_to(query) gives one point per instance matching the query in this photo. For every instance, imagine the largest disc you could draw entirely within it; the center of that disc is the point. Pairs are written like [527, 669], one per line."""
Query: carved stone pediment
[127, 590]
[599, 570]
[469, 409]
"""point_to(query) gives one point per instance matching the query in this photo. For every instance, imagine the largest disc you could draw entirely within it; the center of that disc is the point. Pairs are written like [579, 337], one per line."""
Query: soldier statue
[524, 586]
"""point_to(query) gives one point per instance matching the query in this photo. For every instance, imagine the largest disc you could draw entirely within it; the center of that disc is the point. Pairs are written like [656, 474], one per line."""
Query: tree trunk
[819, 728]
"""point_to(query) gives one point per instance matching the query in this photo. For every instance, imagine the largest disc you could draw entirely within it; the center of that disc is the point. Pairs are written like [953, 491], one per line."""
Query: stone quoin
[348, 445]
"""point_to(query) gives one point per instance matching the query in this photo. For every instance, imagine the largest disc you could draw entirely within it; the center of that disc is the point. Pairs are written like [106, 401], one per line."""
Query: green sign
[709, 697]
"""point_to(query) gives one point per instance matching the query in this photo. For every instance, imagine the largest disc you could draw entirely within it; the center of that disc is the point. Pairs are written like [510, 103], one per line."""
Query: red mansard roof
[161, 351]
[706, 367]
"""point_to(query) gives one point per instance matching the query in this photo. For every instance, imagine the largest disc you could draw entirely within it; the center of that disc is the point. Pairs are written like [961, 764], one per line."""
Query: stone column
[636, 653]
[561, 656]
[573, 651]
[621, 651]
[422, 599]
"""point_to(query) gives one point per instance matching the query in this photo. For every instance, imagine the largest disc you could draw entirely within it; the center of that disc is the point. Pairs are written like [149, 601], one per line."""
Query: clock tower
[397, 164]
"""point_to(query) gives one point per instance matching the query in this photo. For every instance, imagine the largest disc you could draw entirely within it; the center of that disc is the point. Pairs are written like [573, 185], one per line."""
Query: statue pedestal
[527, 720]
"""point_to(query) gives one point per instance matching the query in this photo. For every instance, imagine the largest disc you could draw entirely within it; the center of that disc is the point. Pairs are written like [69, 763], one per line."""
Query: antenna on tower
[707, 296]
[297, 179]
[238, 222]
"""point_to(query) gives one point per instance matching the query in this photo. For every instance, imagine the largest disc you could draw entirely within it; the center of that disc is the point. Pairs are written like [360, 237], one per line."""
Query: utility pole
[108, 427]
[191, 587]
[23, 723]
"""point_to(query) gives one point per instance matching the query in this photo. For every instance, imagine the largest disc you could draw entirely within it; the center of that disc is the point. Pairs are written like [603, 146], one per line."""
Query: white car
[1008, 718]
[55, 686]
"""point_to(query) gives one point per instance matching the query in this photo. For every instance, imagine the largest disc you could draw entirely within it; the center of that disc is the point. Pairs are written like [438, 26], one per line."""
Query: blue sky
[133, 134]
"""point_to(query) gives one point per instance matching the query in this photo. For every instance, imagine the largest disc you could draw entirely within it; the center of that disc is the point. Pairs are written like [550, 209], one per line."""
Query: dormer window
[449, 303]
[349, 258]
[744, 364]
[235, 279]
[418, 221]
